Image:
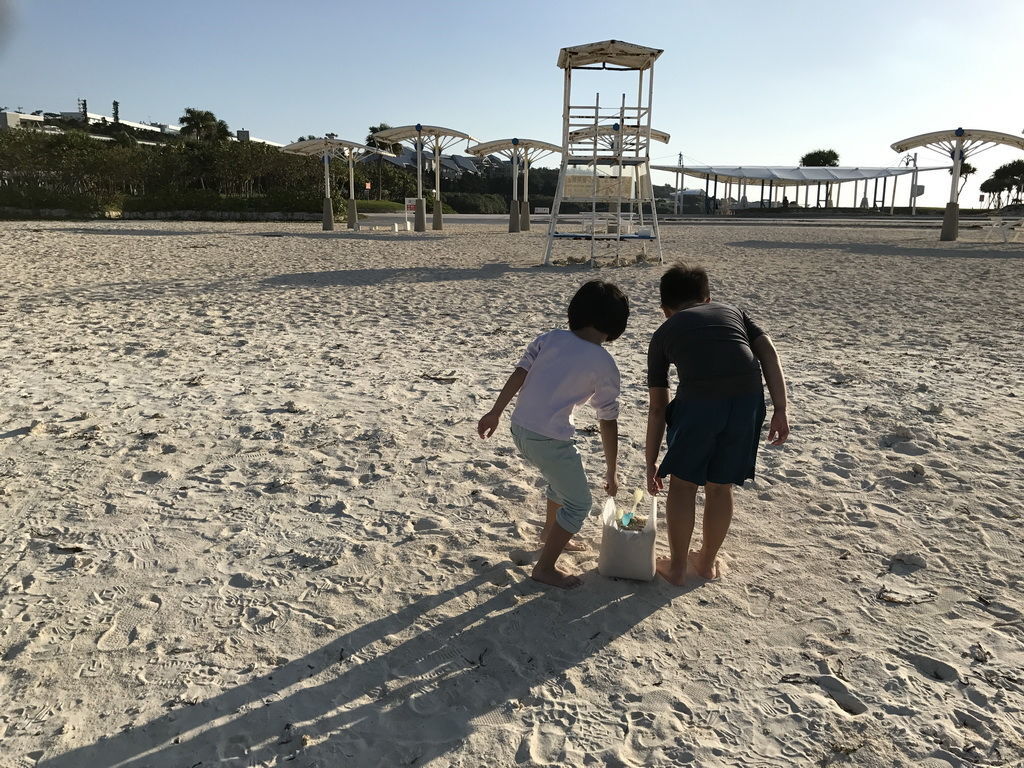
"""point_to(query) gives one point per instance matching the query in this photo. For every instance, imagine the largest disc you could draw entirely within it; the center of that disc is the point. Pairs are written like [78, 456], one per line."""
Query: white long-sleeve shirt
[564, 371]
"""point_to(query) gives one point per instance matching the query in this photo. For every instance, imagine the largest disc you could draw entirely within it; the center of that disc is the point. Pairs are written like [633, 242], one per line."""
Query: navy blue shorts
[713, 439]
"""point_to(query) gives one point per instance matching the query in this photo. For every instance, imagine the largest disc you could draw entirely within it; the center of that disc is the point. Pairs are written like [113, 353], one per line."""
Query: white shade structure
[789, 175]
[608, 133]
[328, 148]
[515, 150]
[771, 177]
[432, 137]
[957, 144]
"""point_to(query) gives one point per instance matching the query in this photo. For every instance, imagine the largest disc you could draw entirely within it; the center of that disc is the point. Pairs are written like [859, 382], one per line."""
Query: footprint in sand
[841, 694]
[125, 627]
[933, 669]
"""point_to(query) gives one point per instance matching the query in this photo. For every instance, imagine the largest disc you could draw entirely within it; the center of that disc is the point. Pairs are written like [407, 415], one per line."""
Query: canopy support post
[524, 205]
[328, 205]
[353, 215]
[421, 204]
[438, 215]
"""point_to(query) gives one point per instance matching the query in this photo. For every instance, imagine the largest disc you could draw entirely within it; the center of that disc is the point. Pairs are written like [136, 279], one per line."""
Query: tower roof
[617, 53]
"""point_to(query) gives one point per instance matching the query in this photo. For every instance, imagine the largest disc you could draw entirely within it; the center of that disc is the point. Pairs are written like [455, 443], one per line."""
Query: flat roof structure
[789, 175]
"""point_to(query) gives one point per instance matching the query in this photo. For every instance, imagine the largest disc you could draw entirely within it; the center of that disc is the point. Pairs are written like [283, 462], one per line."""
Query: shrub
[379, 206]
[472, 202]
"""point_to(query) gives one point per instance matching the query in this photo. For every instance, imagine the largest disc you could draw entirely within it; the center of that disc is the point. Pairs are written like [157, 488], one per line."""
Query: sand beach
[245, 519]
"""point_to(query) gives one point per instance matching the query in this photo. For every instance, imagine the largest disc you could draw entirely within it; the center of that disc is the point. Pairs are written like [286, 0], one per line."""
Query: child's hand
[778, 429]
[654, 483]
[486, 426]
[611, 483]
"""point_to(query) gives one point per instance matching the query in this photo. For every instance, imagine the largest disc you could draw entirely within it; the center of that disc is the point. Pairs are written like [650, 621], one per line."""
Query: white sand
[239, 523]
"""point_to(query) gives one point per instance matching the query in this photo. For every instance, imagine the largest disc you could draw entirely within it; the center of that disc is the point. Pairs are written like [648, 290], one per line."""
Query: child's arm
[485, 428]
[771, 366]
[655, 433]
[610, 443]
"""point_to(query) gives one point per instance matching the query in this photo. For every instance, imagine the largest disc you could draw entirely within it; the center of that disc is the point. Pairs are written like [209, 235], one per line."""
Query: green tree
[994, 188]
[821, 158]
[1012, 175]
[394, 149]
[203, 125]
[966, 169]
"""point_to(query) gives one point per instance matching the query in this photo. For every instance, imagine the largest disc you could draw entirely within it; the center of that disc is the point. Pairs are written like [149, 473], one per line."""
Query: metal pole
[513, 211]
[524, 206]
[951, 217]
[353, 215]
[892, 204]
[438, 215]
[328, 205]
[421, 204]
[913, 189]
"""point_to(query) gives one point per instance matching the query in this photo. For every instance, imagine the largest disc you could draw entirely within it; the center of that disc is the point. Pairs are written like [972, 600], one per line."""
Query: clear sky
[740, 82]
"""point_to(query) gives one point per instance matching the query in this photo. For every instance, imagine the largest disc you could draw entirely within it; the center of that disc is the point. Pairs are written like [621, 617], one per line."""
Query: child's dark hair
[600, 305]
[682, 284]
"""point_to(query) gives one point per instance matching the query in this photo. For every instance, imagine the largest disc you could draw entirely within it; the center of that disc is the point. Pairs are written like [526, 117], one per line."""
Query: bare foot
[673, 575]
[705, 570]
[555, 577]
[572, 546]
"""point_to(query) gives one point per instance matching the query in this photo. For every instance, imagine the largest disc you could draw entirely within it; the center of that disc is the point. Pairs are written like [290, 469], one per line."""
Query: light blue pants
[561, 465]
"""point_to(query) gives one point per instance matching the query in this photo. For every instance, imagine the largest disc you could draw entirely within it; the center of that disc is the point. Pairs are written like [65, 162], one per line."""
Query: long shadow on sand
[344, 234]
[957, 251]
[350, 277]
[379, 700]
[145, 232]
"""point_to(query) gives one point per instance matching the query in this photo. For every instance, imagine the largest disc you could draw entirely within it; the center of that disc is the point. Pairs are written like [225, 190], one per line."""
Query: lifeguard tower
[606, 154]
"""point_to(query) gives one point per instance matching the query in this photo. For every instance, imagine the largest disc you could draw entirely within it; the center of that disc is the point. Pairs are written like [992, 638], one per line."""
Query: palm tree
[203, 125]
[394, 149]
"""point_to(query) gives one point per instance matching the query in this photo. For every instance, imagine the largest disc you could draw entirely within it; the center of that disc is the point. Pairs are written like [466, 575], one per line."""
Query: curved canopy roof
[617, 53]
[788, 175]
[607, 130]
[945, 141]
[532, 147]
[442, 137]
[330, 147]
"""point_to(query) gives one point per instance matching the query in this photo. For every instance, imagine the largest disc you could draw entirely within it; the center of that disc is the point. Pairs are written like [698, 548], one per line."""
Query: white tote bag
[627, 554]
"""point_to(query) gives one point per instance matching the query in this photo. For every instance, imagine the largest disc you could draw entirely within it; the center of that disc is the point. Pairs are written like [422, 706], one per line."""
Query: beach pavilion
[958, 145]
[328, 148]
[773, 182]
[432, 137]
[530, 150]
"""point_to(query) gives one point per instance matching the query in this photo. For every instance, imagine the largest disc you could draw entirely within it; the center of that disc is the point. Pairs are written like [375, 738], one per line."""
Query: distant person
[714, 422]
[560, 370]
[785, 202]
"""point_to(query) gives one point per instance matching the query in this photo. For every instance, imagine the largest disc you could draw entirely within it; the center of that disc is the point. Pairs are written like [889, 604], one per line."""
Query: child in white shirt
[560, 370]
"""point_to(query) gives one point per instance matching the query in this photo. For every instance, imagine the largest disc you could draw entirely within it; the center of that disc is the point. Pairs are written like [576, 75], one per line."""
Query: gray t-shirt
[710, 346]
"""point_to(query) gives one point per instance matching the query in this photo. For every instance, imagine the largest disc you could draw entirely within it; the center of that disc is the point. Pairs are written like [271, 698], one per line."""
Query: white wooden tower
[606, 154]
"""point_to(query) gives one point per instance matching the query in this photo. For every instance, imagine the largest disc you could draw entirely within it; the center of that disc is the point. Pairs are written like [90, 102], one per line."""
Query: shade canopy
[628, 130]
[788, 175]
[532, 147]
[332, 147]
[617, 53]
[946, 140]
[435, 134]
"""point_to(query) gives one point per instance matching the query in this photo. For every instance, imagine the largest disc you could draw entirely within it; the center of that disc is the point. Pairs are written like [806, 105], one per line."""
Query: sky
[739, 83]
